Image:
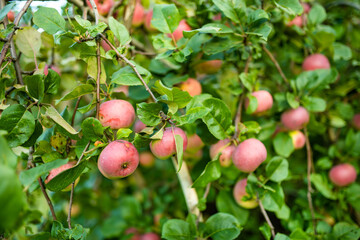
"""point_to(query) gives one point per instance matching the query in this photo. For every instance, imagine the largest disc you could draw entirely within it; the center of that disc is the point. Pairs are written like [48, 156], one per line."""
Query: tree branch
[96, 12]
[267, 219]
[271, 56]
[98, 78]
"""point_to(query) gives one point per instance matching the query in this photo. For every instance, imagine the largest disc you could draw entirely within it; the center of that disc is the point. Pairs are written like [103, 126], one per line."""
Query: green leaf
[120, 31]
[149, 113]
[123, 133]
[253, 104]
[176, 229]
[225, 203]
[127, 76]
[317, 14]
[78, 91]
[316, 80]
[273, 200]
[291, 99]
[292, 7]
[257, 16]
[251, 127]
[214, 28]
[346, 231]
[263, 31]
[280, 236]
[165, 18]
[266, 231]
[211, 173]
[341, 51]
[322, 186]
[283, 144]
[52, 82]
[277, 169]
[325, 36]
[4, 11]
[65, 178]
[299, 234]
[19, 123]
[92, 129]
[7, 156]
[233, 9]
[218, 120]
[27, 177]
[49, 19]
[28, 40]
[56, 117]
[222, 226]
[248, 80]
[191, 115]
[314, 104]
[92, 69]
[172, 95]
[35, 86]
[179, 144]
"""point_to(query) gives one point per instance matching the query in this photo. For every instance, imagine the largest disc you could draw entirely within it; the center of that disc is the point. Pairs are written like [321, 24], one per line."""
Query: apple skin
[105, 46]
[56, 171]
[356, 121]
[11, 16]
[116, 114]
[192, 86]
[165, 147]
[178, 33]
[103, 6]
[139, 15]
[342, 174]
[297, 21]
[139, 126]
[249, 154]
[147, 159]
[264, 99]
[306, 7]
[124, 89]
[55, 68]
[209, 67]
[147, 22]
[298, 139]
[194, 143]
[225, 158]
[239, 192]
[315, 61]
[295, 119]
[149, 236]
[134, 232]
[195, 156]
[119, 159]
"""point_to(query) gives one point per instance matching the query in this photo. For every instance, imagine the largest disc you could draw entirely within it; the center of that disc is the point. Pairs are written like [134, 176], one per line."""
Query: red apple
[295, 119]
[133, 232]
[147, 159]
[147, 22]
[249, 154]
[264, 99]
[54, 172]
[194, 143]
[118, 159]
[105, 46]
[343, 174]
[178, 33]
[356, 121]
[209, 67]
[297, 21]
[149, 236]
[139, 15]
[103, 6]
[192, 86]
[316, 61]
[116, 114]
[239, 192]
[298, 139]
[139, 126]
[11, 16]
[306, 7]
[226, 149]
[165, 147]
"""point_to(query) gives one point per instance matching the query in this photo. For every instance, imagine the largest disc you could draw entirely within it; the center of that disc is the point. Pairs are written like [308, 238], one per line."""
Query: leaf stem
[266, 216]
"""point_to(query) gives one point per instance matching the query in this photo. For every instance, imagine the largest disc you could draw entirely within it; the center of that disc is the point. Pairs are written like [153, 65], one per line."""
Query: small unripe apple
[343, 174]
[53, 67]
[149, 236]
[165, 147]
[11, 16]
[116, 114]
[239, 192]
[209, 67]
[249, 154]
[298, 139]
[147, 22]
[264, 100]
[139, 15]
[56, 171]
[178, 33]
[356, 121]
[192, 86]
[295, 119]
[139, 126]
[119, 159]
[105, 46]
[103, 6]
[226, 149]
[297, 21]
[194, 143]
[316, 61]
[147, 159]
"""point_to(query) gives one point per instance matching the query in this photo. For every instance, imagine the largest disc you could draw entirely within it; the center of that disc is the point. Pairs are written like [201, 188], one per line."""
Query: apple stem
[266, 216]
[273, 59]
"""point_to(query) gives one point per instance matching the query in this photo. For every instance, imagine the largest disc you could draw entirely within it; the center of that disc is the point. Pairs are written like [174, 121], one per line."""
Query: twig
[96, 12]
[119, 55]
[11, 35]
[267, 219]
[309, 167]
[129, 13]
[271, 56]
[98, 78]
[75, 109]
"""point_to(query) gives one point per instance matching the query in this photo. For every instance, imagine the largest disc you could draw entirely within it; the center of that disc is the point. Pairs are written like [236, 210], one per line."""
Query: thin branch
[271, 56]
[98, 78]
[94, 7]
[119, 55]
[74, 113]
[129, 13]
[267, 219]
[309, 167]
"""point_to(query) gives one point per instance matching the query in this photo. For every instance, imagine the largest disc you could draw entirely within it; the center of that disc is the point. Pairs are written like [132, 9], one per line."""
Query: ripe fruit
[116, 114]
[192, 86]
[54, 172]
[298, 139]
[103, 6]
[118, 159]
[195, 156]
[306, 7]
[249, 154]
[240, 191]
[55, 68]
[11, 16]
[165, 147]
[226, 150]
[356, 121]
[315, 61]
[209, 67]
[146, 159]
[343, 174]
[139, 126]
[133, 232]
[178, 33]
[295, 119]
[105, 46]
[149, 236]
[264, 99]
[139, 15]
[194, 143]
[147, 21]
[297, 21]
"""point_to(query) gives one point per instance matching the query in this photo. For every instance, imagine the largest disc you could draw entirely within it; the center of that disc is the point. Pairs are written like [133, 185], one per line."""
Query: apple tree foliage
[49, 118]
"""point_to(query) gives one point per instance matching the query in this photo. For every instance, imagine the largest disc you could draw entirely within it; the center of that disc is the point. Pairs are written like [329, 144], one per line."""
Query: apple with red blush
[192, 86]
[264, 101]
[116, 114]
[356, 121]
[56, 171]
[342, 174]
[103, 6]
[295, 119]
[226, 149]
[138, 15]
[239, 192]
[11, 16]
[146, 159]
[209, 67]
[139, 126]
[315, 61]
[298, 139]
[178, 33]
[249, 154]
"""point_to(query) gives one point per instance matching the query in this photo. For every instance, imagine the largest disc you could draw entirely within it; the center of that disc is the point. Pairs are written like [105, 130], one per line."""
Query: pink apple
[178, 33]
[116, 114]
[147, 22]
[226, 149]
[119, 159]
[53, 67]
[209, 67]
[295, 119]
[149, 236]
[356, 121]
[133, 232]
[249, 154]
[192, 86]
[139, 126]
[56, 171]
[194, 143]
[297, 21]
[298, 139]
[139, 15]
[306, 7]
[103, 6]
[342, 174]
[165, 147]
[147, 159]
[239, 192]
[105, 46]
[264, 100]
[315, 61]
[11, 16]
